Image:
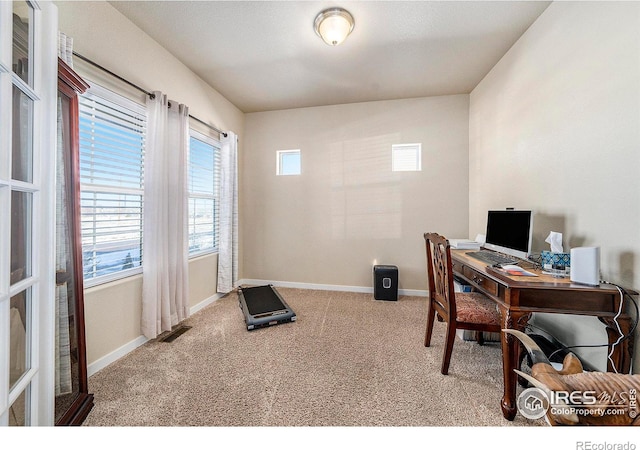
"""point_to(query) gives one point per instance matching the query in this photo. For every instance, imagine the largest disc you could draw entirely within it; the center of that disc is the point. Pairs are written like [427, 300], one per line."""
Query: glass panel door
[26, 247]
[21, 276]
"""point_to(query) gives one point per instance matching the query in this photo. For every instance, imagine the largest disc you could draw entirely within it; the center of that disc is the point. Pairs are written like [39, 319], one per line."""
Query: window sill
[202, 254]
[123, 276]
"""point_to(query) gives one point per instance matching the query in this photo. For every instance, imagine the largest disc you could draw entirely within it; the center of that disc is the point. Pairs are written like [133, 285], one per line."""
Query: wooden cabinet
[72, 398]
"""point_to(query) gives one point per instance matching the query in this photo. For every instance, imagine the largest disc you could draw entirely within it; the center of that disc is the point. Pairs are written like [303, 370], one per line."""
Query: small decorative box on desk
[557, 263]
[385, 283]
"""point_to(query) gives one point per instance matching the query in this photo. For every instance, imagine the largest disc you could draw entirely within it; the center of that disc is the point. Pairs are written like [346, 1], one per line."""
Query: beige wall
[112, 316]
[113, 310]
[555, 127]
[105, 36]
[348, 210]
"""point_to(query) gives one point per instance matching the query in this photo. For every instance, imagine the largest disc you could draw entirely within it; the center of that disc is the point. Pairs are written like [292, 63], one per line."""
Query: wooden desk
[518, 297]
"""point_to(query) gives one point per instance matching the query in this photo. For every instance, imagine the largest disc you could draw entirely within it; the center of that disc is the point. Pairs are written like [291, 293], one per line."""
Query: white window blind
[112, 140]
[204, 187]
[406, 157]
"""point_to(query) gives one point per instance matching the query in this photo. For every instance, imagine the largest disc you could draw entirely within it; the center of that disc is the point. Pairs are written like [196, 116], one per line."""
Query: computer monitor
[509, 231]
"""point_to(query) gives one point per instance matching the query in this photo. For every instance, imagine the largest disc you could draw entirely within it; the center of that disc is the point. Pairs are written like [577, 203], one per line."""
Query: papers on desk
[464, 244]
[513, 270]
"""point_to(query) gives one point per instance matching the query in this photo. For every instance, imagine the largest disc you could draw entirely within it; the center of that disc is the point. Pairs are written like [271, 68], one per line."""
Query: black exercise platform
[263, 306]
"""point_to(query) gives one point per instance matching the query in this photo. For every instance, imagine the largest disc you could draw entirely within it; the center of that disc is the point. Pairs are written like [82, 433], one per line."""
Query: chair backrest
[440, 274]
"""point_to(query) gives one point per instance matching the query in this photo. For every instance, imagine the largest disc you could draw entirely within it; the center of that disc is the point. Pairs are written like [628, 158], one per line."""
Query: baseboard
[103, 362]
[206, 302]
[115, 355]
[328, 287]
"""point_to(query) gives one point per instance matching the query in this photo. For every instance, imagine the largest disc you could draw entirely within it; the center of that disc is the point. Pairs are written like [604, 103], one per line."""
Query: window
[406, 157]
[112, 140]
[204, 184]
[288, 162]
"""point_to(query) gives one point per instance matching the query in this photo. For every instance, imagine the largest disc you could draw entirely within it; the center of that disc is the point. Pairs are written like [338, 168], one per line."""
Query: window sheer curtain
[165, 282]
[228, 243]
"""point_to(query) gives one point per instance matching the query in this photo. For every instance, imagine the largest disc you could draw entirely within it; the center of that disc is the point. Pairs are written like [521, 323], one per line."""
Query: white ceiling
[265, 55]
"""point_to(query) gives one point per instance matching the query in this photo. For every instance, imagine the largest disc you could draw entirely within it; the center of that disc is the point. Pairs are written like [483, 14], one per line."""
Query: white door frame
[38, 379]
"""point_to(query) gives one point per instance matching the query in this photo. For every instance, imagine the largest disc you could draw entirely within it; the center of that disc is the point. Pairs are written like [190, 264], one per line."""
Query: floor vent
[175, 334]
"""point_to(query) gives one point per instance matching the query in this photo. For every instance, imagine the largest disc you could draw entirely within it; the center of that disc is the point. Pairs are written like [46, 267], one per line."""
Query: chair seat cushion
[474, 307]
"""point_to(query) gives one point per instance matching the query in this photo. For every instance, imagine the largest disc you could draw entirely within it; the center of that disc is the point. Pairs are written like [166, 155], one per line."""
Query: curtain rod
[150, 94]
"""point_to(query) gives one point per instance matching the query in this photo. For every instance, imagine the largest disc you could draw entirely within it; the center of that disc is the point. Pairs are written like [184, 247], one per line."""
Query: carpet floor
[348, 360]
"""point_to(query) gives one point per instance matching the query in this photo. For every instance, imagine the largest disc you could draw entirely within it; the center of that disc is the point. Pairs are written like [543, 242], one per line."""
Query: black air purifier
[385, 283]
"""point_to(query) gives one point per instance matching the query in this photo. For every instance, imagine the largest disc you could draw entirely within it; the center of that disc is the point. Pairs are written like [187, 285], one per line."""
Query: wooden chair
[461, 311]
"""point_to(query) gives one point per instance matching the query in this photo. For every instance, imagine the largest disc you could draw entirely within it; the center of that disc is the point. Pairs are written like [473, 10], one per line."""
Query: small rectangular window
[288, 162]
[406, 157]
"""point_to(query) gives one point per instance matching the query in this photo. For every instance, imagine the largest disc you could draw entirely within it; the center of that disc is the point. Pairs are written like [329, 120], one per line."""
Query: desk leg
[623, 351]
[510, 357]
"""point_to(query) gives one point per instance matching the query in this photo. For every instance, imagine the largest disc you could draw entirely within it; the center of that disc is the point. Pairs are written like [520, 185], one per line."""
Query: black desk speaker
[385, 283]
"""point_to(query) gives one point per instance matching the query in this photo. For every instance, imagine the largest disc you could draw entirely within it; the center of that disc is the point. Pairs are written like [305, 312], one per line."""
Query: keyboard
[492, 257]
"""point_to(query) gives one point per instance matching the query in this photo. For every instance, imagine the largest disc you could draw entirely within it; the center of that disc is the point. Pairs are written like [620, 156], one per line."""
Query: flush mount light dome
[333, 25]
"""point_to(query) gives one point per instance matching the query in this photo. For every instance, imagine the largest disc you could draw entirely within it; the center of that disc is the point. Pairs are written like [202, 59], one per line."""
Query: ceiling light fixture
[333, 25]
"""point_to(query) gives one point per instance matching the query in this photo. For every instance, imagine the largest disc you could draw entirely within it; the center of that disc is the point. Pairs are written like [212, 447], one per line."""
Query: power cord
[622, 337]
[561, 345]
[623, 292]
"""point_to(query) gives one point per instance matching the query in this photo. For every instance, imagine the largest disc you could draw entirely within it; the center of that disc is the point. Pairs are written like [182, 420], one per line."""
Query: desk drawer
[486, 284]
